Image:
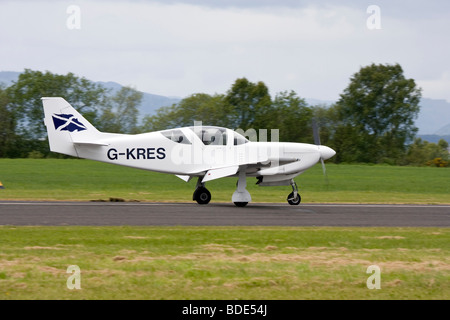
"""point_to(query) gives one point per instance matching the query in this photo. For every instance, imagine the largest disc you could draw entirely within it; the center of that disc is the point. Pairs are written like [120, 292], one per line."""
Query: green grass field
[73, 179]
[222, 262]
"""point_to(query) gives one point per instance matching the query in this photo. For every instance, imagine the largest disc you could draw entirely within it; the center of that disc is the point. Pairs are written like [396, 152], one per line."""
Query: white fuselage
[153, 151]
[207, 152]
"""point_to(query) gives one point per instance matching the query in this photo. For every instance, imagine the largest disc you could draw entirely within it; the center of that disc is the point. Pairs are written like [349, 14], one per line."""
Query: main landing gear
[294, 197]
[241, 197]
[201, 194]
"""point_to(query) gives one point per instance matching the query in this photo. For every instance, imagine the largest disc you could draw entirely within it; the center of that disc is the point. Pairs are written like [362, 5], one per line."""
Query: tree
[26, 94]
[420, 152]
[326, 118]
[292, 116]
[165, 118]
[120, 112]
[8, 138]
[252, 104]
[25, 105]
[246, 106]
[210, 110]
[376, 114]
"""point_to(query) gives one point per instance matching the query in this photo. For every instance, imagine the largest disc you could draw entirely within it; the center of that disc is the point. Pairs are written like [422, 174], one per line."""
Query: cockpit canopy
[209, 135]
[214, 136]
[218, 136]
[176, 135]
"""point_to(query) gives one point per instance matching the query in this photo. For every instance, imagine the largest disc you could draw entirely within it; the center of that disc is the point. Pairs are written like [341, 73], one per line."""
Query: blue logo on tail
[67, 122]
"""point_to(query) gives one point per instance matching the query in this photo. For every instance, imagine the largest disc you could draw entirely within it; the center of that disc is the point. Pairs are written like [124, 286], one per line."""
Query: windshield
[239, 139]
[211, 136]
[217, 136]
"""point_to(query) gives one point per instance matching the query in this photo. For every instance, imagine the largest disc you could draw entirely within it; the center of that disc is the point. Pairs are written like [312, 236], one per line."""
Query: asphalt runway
[220, 214]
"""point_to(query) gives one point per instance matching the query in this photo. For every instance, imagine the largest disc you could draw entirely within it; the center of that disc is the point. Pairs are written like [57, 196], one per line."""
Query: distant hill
[434, 116]
[444, 131]
[8, 77]
[433, 119]
[434, 138]
[150, 102]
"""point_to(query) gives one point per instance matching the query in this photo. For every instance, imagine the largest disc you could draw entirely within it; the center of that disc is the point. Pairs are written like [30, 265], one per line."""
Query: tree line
[372, 122]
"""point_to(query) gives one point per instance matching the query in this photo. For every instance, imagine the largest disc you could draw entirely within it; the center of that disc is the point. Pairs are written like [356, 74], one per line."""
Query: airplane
[203, 152]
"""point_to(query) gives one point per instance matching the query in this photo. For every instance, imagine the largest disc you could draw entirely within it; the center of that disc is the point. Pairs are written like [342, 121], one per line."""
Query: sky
[178, 48]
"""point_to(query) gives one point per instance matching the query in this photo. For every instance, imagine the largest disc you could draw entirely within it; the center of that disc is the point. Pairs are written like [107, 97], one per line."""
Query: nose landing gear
[294, 197]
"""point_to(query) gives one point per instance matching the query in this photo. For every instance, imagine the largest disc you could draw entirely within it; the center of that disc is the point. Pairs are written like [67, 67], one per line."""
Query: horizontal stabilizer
[90, 143]
[220, 173]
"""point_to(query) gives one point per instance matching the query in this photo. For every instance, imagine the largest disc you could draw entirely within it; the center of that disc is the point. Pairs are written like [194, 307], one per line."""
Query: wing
[265, 166]
[211, 174]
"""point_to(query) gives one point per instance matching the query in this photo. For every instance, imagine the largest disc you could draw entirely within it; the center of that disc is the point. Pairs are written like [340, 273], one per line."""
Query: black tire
[294, 202]
[202, 196]
[240, 204]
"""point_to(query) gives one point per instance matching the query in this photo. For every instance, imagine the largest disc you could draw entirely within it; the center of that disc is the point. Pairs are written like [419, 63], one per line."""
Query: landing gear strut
[201, 194]
[241, 197]
[294, 197]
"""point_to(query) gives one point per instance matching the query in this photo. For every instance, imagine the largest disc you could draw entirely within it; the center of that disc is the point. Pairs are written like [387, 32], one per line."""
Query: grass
[84, 180]
[224, 263]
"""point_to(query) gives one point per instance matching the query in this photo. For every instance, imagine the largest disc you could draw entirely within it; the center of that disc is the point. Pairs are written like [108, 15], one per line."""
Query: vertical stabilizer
[65, 125]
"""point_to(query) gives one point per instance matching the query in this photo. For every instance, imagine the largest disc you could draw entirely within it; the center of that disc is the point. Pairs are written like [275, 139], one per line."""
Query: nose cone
[326, 152]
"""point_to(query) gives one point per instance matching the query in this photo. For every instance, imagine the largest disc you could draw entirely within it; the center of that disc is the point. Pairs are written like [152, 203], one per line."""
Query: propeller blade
[315, 132]
[324, 171]
[317, 142]
[323, 166]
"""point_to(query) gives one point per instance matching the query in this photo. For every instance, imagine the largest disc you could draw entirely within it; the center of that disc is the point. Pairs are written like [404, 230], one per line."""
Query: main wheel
[294, 201]
[240, 204]
[202, 195]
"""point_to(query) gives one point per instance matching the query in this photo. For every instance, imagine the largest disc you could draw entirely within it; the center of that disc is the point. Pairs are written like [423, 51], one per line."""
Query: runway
[220, 214]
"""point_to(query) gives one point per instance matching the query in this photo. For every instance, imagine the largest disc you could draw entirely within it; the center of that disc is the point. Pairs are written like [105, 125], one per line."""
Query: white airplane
[205, 152]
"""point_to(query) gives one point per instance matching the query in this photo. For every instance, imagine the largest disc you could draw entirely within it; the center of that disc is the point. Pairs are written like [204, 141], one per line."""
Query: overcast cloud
[176, 48]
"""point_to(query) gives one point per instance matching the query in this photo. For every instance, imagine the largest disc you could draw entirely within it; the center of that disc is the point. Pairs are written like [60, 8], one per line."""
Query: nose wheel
[294, 197]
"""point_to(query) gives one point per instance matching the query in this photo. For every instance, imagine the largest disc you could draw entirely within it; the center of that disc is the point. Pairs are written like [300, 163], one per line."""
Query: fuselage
[184, 151]
[205, 152]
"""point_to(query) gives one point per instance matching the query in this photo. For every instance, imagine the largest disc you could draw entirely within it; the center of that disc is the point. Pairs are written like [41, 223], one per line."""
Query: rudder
[65, 125]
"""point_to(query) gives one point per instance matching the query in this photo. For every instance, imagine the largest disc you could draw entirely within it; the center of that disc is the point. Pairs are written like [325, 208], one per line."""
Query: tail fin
[65, 126]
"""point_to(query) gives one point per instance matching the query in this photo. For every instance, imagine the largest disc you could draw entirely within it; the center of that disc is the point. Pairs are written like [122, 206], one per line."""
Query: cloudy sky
[177, 48]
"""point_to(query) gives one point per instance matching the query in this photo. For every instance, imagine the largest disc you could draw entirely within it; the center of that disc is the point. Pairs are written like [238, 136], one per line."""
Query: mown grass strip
[224, 262]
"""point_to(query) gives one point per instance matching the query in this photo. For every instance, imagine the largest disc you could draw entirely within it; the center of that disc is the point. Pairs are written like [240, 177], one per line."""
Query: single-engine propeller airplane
[205, 152]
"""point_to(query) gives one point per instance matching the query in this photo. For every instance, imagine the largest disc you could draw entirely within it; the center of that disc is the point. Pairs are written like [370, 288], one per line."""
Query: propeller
[317, 143]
